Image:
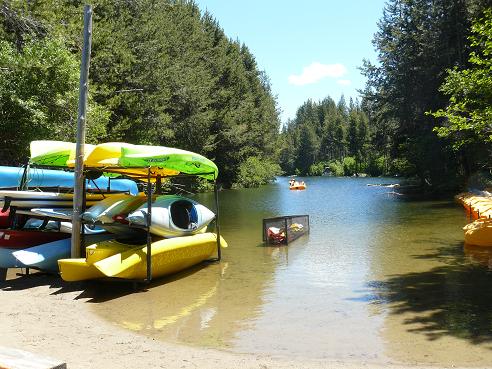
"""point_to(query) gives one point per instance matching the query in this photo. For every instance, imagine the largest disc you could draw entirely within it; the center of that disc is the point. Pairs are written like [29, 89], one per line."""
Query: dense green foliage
[429, 59]
[326, 137]
[38, 95]
[161, 73]
[469, 113]
[417, 42]
[255, 172]
[164, 73]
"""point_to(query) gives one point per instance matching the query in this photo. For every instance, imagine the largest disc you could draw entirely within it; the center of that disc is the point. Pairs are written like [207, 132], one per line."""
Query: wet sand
[43, 315]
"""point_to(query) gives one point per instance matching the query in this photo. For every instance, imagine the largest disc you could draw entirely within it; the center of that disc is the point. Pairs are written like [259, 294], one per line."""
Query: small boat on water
[296, 185]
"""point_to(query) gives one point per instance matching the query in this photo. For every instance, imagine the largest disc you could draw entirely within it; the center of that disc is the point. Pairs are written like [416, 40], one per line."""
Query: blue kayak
[8, 260]
[46, 256]
[11, 177]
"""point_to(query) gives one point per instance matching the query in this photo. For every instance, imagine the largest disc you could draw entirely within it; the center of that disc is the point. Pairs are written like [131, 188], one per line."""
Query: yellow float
[479, 232]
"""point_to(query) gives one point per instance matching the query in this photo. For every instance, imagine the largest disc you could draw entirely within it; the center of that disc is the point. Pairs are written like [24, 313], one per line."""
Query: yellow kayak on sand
[116, 259]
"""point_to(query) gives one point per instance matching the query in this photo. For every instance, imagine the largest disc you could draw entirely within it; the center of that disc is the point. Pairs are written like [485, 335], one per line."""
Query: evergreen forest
[425, 112]
[163, 72]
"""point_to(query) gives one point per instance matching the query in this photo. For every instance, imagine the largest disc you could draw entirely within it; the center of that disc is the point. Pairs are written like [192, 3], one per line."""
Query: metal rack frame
[158, 181]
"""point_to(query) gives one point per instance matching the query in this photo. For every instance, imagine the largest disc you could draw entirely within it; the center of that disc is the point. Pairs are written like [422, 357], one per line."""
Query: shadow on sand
[95, 291]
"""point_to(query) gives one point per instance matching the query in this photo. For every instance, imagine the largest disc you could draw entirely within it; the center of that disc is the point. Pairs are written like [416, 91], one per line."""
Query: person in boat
[291, 182]
[302, 183]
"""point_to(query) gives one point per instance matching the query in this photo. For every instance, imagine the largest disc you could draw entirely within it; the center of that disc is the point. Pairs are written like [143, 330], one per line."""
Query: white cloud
[317, 71]
[344, 82]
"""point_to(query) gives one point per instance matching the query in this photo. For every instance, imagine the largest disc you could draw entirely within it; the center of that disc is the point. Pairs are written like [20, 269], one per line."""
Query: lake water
[377, 278]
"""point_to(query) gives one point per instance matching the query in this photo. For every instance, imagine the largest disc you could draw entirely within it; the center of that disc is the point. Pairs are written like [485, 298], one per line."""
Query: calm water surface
[377, 278]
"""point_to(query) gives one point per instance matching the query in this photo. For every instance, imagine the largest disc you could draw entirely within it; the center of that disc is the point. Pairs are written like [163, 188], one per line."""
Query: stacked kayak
[178, 225]
[37, 199]
[12, 241]
[11, 177]
[35, 240]
[46, 256]
[119, 260]
[172, 217]
[106, 214]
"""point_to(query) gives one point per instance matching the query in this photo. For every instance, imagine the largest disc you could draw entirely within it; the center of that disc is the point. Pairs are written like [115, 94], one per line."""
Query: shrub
[402, 167]
[255, 171]
[349, 166]
[317, 169]
[336, 168]
[377, 166]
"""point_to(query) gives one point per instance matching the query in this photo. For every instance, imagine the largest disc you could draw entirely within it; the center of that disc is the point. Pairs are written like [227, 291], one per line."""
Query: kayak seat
[180, 214]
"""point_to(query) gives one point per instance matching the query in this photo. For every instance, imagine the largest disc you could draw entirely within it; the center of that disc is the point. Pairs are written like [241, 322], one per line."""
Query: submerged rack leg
[217, 223]
[149, 222]
[286, 231]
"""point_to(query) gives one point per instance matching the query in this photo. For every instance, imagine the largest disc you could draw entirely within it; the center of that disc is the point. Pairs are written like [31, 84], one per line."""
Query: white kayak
[173, 216]
[57, 225]
[38, 199]
[103, 213]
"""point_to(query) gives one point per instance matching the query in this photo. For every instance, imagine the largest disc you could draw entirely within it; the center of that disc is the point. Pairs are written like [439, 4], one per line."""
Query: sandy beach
[46, 316]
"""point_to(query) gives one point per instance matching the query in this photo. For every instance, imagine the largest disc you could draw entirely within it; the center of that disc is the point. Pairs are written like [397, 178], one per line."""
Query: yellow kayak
[479, 232]
[477, 206]
[119, 260]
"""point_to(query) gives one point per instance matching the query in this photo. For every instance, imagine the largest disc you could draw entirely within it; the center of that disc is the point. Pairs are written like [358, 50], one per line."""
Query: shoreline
[44, 315]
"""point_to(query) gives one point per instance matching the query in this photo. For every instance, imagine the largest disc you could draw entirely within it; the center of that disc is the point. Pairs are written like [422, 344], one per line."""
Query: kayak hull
[11, 178]
[479, 233]
[36, 199]
[173, 216]
[299, 187]
[46, 256]
[117, 260]
[21, 239]
[8, 260]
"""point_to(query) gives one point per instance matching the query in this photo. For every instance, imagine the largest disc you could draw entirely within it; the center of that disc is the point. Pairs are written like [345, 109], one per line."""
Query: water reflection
[438, 305]
[375, 278]
[479, 254]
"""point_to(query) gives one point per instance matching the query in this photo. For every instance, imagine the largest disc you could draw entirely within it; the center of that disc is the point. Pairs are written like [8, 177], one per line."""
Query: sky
[309, 49]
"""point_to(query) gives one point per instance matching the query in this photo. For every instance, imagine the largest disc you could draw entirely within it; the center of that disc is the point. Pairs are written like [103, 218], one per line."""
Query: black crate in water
[282, 230]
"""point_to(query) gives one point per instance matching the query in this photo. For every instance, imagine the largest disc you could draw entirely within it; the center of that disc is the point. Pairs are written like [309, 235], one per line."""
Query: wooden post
[78, 198]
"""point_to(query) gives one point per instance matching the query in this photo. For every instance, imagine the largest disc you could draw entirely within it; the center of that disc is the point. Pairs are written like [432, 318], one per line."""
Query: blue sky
[309, 49]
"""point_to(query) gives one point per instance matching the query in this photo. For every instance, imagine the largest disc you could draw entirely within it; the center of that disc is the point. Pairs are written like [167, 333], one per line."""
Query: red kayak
[21, 239]
[5, 219]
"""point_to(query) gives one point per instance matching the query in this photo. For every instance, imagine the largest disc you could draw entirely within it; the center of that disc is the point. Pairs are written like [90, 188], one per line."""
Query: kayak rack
[147, 179]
